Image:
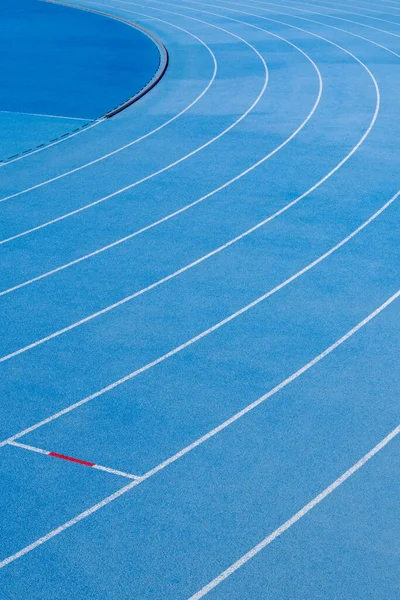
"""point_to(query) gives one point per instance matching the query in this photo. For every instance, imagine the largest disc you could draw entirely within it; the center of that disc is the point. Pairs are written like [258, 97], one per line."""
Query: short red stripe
[75, 460]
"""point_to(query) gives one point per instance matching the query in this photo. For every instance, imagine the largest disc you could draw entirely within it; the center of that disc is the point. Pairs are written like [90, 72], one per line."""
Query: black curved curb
[162, 51]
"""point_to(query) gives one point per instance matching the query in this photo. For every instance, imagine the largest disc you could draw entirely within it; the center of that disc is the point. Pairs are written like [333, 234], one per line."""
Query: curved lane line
[213, 432]
[173, 164]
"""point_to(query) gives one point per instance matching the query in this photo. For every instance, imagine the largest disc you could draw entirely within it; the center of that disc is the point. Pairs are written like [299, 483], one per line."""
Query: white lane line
[30, 448]
[116, 472]
[130, 144]
[190, 447]
[314, 12]
[200, 336]
[74, 460]
[28, 114]
[199, 200]
[295, 518]
[176, 162]
[144, 290]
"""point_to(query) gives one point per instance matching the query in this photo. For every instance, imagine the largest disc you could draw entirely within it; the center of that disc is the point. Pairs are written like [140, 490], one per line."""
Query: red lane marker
[70, 458]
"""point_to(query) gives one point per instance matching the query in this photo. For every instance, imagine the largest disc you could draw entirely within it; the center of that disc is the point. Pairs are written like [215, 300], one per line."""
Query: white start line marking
[74, 460]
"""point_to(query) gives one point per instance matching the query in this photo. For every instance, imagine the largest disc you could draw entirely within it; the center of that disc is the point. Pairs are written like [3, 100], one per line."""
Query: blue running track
[200, 306]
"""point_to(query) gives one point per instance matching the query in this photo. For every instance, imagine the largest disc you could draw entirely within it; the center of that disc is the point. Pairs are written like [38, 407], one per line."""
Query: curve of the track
[205, 324]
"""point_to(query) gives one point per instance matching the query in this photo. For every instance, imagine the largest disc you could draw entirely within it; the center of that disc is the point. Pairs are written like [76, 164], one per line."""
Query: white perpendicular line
[121, 148]
[116, 472]
[174, 163]
[295, 518]
[73, 459]
[30, 448]
[187, 449]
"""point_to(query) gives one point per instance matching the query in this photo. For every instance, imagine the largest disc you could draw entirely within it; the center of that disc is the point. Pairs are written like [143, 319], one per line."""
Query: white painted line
[13, 112]
[30, 448]
[295, 518]
[166, 168]
[190, 447]
[115, 472]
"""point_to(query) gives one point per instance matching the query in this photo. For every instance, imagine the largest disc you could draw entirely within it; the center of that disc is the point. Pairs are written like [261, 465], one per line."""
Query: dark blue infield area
[62, 67]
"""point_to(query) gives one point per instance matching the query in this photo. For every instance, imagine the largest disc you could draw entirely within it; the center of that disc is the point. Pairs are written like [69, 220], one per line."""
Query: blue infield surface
[199, 300]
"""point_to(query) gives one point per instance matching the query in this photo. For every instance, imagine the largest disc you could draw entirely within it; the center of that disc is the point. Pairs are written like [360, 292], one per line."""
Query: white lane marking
[299, 515]
[95, 466]
[190, 447]
[130, 144]
[115, 472]
[59, 141]
[176, 162]
[200, 336]
[314, 12]
[30, 448]
[111, 307]
[209, 195]
[28, 114]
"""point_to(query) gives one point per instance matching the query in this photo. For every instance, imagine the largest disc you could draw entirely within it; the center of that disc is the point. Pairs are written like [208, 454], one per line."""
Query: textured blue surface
[121, 268]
